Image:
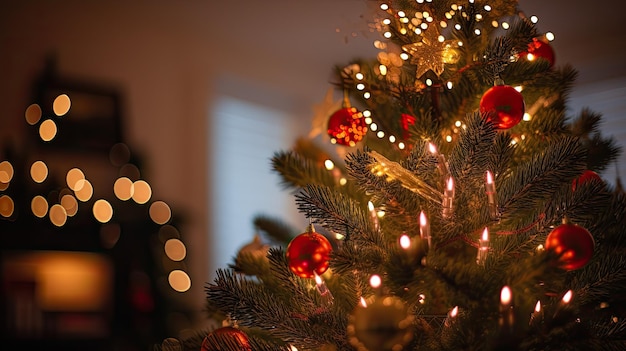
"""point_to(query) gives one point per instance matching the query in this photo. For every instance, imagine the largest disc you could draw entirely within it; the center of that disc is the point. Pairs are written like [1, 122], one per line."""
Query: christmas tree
[463, 209]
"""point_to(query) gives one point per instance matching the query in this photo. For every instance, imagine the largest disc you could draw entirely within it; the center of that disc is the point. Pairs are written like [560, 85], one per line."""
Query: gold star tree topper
[432, 53]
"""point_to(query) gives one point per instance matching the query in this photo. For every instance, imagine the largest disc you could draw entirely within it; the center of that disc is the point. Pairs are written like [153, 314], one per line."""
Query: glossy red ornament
[587, 175]
[219, 338]
[347, 126]
[574, 245]
[308, 254]
[502, 105]
[539, 49]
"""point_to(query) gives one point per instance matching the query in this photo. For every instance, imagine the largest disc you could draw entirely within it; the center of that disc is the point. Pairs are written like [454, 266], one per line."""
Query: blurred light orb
[61, 105]
[179, 280]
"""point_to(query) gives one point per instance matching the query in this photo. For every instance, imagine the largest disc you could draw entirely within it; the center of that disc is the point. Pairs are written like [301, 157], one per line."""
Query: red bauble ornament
[587, 175]
[539, 49]
[574, 245]
[347, 126]
[219, 338]
[308, 254]
[502, 105]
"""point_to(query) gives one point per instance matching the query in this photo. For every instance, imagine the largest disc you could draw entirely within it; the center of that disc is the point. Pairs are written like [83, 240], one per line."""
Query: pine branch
[533, 183]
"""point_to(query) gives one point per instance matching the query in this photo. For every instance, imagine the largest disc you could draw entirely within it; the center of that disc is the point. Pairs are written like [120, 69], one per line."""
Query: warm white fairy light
[343, 181]
[550, 36]
[380, 134]
[479, 17]
[404, 56]
[424, 26]
[329, 164]
[403, 30]
[405, 242]
[392, 139]
[443, 24]
[387, 35]
[368, 120]
[449, 85]
[459, 43]
[429, 82]
[458, 123]
[360, 86]
[519, 88]
[449, 138]
[384, 7]
[449, 15]
[373, 127]
[387, 21]
[366, 95]
[383, 70]
[505, 25]
[487, 8]
[375, 281]
[477, 31]
[457, 26]
[359, 76]
[417, 31]
[495, 24]
[401, 146]
[527, 117]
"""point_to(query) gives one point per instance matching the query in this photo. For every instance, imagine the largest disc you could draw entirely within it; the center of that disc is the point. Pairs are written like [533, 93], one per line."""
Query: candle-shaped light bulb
[432, 148]
[425, 229]
[451, 316]
[448, 197]
[327, 296]
[505, 296]
[490, 189]
[373, 214]
[536, 316]
[567, 297]
[442, 165]
[563, 306]
[506, 309]
[538, 307]
[483, 248]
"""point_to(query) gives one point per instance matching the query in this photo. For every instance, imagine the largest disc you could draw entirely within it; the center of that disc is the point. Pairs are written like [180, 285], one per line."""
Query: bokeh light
[123, 188]
[6, 172]
[33, 114]
[39, 206]
[57, 215]
[160, 212]
[7, 206]
[61, 105]
[38, 171]
[74, 179]
[142, 192]
[175, 250]
[70, 204]
[179, 280]
[85, 190]
[47, 130]
[102, 211]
